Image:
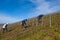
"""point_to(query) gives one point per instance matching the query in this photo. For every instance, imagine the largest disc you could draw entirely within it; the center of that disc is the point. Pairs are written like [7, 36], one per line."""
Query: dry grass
[35, 30]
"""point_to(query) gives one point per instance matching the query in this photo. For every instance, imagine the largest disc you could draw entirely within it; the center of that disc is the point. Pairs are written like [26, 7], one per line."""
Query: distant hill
[45, 30]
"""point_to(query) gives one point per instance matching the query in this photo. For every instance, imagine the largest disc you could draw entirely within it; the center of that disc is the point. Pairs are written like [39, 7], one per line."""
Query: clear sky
[17, 10]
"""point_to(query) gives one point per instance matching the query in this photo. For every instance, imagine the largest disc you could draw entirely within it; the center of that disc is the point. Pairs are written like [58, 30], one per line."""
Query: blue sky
[17, 10]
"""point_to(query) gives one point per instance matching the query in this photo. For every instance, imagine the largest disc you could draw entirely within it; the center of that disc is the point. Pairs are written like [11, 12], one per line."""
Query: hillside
[0, 26]
[35, 30]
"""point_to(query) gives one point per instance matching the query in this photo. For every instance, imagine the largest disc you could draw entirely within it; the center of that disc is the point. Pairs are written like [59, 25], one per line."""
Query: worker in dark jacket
[39, 18]
[24, 22]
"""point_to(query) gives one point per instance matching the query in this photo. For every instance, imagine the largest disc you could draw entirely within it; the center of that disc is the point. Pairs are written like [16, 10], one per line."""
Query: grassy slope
[35, 31]
[0, 26]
